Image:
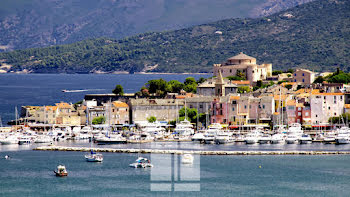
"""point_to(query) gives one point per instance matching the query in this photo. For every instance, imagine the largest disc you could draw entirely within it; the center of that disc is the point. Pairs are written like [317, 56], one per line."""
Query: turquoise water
[30, 173]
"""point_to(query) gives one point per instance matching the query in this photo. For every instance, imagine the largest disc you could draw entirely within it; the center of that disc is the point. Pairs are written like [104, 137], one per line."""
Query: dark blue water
[46, 89]
[30, 173]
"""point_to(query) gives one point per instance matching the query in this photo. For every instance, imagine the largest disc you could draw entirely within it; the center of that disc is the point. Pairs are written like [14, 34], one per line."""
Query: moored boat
[61, 171]
[187, 159]
[141, 162]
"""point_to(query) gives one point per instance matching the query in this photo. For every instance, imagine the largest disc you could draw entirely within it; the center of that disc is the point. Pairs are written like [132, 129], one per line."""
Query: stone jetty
[200, 152]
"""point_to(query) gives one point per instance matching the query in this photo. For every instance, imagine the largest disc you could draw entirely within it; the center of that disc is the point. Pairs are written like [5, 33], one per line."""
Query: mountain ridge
[313, 35]
[40, 23]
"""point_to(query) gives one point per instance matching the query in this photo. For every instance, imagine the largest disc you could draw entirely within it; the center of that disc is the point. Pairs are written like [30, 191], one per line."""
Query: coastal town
[243, 97]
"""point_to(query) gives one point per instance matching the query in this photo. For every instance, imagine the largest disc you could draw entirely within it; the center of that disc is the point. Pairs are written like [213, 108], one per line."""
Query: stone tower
[219, 85]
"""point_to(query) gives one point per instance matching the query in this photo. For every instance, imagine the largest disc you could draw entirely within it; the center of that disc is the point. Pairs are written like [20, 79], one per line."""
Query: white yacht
[253, 136]
[277, 138]
[43, 139]
[294, 133]
[25, 140]
[211, 132]
[141, 162]
[329, 137]
[198, 137]
[184, 128]
[224, 138]
[12, 139]
[264, 139]
[343, 136]
[114, 139]
[305, 139]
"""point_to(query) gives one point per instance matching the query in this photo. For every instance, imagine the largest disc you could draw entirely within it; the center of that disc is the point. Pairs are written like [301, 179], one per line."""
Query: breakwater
[199, 152]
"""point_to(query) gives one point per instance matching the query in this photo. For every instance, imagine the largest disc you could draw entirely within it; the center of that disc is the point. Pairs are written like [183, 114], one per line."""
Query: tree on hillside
[276, 72]
[243, 89]
[319, 79]
[174, 86]
[157, 85]
[235, 78]
[118, 90]
[201, 80]
[190, 85]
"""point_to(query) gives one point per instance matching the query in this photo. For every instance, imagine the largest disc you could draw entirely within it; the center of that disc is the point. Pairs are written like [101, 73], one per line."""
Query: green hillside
[40, 23]
[314, 35]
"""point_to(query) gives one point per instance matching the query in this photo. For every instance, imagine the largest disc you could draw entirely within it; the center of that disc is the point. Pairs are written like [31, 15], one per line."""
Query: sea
[18, 90]
[30, 173]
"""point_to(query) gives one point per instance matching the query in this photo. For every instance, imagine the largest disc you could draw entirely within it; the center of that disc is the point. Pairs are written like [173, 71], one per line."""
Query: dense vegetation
[337, 77]
[160, 87]
[314, 36]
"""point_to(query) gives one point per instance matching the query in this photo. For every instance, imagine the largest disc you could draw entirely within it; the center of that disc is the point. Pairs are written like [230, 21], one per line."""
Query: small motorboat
[141, 162]
[187, 159]
[61, 171]
[94, 157]
[7, 157]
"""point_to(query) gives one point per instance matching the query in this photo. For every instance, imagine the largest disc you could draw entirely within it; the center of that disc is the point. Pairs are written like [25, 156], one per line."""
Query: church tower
[219, 85]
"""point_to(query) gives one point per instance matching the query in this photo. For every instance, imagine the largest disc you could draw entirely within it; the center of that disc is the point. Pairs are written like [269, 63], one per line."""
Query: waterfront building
[119, 113]
[243, 64]
[201, 103]
[326, 105]
[162, 109]
[303, 76]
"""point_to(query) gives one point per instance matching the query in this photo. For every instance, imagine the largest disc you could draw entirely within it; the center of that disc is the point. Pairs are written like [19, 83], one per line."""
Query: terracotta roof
[328, 93]
[241, 82]
[234, 97]
[278, 97]
[347, 106]
[180, 96]
[53, 108]
[120, 104]
[276, 113]
[291, 102]
[288, 83]
[300, 105]
[241, 56]
[63, 105]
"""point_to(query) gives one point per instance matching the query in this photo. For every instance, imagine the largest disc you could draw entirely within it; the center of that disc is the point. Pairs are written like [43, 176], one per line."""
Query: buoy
[259, 166]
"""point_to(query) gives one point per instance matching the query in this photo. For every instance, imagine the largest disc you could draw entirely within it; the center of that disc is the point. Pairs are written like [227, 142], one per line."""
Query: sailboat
[141, 162]
[93, 157]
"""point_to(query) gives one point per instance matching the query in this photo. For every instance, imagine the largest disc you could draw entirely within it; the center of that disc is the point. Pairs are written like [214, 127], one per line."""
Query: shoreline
[113, 73]
[179, 152]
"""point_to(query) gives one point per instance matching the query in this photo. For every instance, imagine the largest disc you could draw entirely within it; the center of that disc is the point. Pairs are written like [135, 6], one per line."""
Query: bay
[46, 89]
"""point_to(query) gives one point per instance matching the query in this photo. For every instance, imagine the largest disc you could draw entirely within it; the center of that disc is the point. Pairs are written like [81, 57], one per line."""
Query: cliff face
[39, 23]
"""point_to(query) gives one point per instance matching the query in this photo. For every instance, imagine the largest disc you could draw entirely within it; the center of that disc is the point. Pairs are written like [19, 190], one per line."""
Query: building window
[316, 117]
[341, 98]
[335, 114]
[263, 106]
[329, 108]
[233, 109]
[295, 80]
[230, 71]
[303, 80]
[201, 106]
[303, 74]
[245, 107]
[306, 113]
[295, 74]
[299, 113]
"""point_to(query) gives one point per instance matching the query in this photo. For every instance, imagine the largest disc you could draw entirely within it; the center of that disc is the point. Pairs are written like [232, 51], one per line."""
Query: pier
[199, 152]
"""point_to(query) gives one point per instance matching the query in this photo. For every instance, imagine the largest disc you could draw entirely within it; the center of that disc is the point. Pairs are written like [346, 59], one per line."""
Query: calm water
[46, 89]
[30, 173]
